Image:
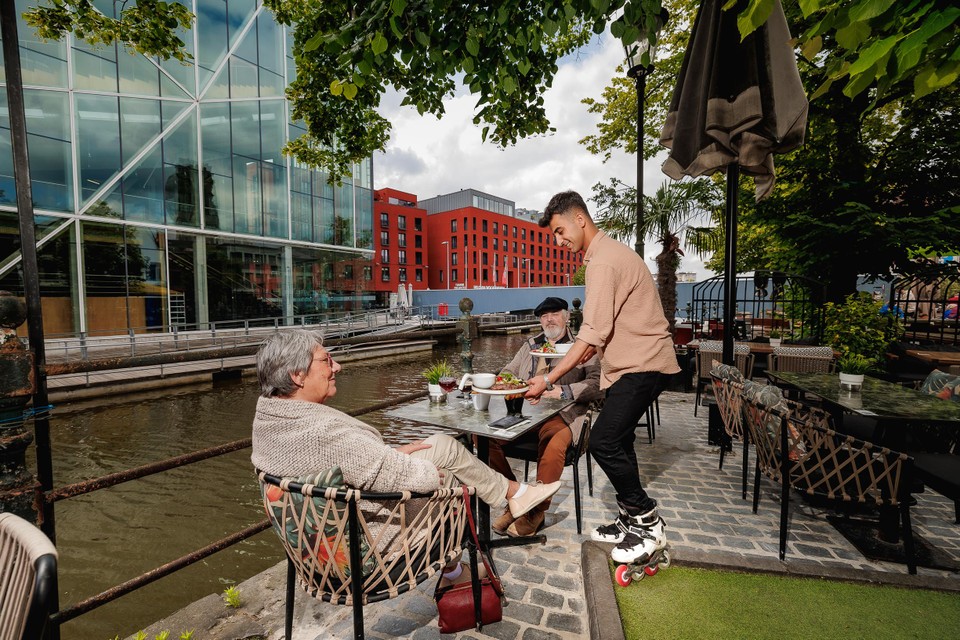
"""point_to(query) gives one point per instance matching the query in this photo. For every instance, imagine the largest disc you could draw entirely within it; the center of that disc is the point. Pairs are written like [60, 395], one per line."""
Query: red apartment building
[462, 240]
[399, 242]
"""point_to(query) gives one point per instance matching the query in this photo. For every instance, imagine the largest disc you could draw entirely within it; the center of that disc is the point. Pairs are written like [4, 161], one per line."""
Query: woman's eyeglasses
[328, 359]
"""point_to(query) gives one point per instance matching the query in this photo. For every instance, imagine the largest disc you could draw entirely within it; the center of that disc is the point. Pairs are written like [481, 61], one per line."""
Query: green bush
[858, 327]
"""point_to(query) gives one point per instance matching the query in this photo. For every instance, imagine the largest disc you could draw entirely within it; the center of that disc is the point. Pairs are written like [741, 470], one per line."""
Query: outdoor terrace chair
[802, 359]
[710, 350]
[729, 395]
[528, 452]
[349, 547]
[799, 452]
[28, 579]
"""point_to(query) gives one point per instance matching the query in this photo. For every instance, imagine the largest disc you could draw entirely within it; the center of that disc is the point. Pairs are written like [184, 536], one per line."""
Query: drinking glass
[447, 383]
[514, 404]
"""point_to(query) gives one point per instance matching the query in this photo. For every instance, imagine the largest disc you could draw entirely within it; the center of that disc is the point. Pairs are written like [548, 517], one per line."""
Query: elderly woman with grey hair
[296, 434]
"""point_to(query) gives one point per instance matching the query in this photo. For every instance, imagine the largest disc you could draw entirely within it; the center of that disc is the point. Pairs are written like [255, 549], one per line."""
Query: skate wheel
[622, 574]
[638, 575]
[665, 562]
[651, 571]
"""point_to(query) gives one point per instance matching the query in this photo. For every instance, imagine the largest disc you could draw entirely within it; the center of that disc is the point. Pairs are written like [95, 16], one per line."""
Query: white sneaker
[613, 532]
[644, 536]
[534, 495]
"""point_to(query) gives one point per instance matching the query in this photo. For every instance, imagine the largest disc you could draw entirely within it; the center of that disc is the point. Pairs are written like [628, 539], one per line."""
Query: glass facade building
[161, 195]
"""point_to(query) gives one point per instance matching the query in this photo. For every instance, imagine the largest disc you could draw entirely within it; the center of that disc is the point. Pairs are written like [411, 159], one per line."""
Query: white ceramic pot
[775, 342]
[852, 381]
[436, 393]
[481, 401]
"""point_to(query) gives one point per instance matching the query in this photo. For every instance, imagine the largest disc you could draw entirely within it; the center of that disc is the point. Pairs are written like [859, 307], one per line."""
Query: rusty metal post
[19, 490]
[467, 326]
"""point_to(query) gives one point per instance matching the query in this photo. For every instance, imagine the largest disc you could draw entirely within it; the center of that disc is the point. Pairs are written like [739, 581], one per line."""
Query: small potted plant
[852, 368]
[440, 369]
[775, 338]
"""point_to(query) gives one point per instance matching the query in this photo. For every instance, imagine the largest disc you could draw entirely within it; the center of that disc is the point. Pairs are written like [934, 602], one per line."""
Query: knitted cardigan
[294, 438]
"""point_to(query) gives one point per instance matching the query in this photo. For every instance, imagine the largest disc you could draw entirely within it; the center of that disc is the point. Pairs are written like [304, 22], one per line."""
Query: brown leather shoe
[526, 525]
[502, 522]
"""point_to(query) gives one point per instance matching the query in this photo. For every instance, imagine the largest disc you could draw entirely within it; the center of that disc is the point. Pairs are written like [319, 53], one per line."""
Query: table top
[876, 398]
[461, 416]
[935, 357]
[758, 348]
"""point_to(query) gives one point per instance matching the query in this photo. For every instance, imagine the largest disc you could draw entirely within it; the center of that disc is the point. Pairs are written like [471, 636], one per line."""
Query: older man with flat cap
[581, 384]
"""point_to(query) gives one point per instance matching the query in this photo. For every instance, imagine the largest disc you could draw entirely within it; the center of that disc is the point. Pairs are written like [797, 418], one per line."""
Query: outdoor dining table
[895, 408]
[461, 416]
[944, 359]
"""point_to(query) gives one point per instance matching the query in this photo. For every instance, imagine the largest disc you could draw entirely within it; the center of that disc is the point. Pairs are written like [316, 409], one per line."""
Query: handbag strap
[494, 578]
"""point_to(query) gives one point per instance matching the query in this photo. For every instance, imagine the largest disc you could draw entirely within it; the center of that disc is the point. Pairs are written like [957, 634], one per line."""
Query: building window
[483, 226]
[496, 244]
[418, 242]
[403, 275]
[401, 240]
[453, 226]
[348, 271]
[484, 258]
[484, 242]
[523, 248]
[453, 242]
[486, 274]
[453, 275]
[523, 234]
[474, 240]
[384, 238]
[514, 232]
[367, 272]
[514, 247]
[418, 275]
[385, 274]
[453, 258]
[385, 256]
[418, 224]
[401, 222]
[496, 227]
[418, 257]
[402, 257]
[384, 220]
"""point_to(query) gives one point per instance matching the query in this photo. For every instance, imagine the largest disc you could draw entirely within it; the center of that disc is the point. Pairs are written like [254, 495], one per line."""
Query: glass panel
[291, 64]
[247, 49]
[271, 84]
[244, 281]
[270, 42]
[215, 134]
[114, 267]
[324, 211]
[212, 46]
[246, 196]
[243, 78]
[220, 86]
[183, 279]
[272, 118]
[94, 69]
[302, 217]
[41, 63]
[139, 124]
[245, 128]
[239, 12]
[170, 89]
[98, 139]
[138, 74]
[143, 189]
[170, 110]
[218, 201]
[274, 180]
[343, 199]
[182, 73]
[364, 200]
[181, 190]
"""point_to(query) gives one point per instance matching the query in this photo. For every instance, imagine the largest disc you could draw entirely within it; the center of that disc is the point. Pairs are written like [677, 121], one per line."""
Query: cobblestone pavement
[703, 510]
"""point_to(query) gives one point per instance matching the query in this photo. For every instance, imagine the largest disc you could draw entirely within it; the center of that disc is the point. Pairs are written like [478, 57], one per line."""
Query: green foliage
[231, 596]
[187, 635]
[580, 275]
[855, 363]
[163, 635]
[437, 370]
[150, 26]
[857, 327]
[141, 635]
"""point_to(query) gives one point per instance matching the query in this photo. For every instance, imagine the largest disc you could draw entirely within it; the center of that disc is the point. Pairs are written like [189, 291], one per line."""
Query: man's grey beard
[554, 333]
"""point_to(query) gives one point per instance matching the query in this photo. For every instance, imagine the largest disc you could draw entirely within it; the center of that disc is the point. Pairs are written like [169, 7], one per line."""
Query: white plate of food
[502, 392]
[547, 355]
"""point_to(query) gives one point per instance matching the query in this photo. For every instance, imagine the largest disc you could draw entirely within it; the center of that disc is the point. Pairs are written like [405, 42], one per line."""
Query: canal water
[116, 534]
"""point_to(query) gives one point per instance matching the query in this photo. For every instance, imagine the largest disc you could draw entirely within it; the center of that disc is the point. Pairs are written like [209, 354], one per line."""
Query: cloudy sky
[429, 157]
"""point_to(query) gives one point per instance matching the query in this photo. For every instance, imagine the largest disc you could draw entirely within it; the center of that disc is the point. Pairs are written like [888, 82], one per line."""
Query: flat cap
[550, 304]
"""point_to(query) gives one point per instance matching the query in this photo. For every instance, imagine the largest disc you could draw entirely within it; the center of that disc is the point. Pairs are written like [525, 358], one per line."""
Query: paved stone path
[703, 510]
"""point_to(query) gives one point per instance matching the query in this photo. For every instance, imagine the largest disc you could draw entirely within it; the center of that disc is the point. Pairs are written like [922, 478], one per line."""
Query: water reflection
[116, 534]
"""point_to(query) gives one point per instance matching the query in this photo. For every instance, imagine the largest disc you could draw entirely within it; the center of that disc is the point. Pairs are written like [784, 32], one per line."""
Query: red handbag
[474, 603]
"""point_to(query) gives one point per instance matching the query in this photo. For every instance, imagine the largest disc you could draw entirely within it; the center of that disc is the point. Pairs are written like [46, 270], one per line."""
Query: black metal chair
[526, 450]
[28, 579]
[797, 452]
[341, 553]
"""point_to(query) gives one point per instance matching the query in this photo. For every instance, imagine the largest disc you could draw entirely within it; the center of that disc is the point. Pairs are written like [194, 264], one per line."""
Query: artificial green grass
[686, 602]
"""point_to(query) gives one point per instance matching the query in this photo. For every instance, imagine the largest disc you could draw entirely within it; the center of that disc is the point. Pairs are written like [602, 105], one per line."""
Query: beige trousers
[457, 462]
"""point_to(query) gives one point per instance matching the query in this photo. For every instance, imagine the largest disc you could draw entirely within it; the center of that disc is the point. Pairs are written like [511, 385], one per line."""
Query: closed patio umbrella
[735, 105]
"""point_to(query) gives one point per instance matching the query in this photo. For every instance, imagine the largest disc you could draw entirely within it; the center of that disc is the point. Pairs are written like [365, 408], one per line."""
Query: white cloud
[429, 156]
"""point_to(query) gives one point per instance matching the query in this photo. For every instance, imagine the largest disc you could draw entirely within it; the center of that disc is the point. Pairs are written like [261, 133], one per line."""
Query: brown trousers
[553, 439]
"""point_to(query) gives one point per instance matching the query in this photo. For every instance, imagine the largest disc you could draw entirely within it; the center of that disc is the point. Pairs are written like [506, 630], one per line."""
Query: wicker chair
[802, 359]
[349, 547]
[710, 350]
[729, 395]
[820, 461]
[28, 579]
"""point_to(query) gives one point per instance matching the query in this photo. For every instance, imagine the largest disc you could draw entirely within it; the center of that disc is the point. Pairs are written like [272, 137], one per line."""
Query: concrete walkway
[706, 518]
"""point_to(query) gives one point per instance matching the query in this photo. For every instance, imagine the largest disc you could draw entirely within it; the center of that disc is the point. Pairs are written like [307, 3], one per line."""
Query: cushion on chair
[943, 385]
[771, 397]
[727, 372]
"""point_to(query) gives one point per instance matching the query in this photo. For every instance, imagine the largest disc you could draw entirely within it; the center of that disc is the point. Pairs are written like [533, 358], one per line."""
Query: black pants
[614, 432]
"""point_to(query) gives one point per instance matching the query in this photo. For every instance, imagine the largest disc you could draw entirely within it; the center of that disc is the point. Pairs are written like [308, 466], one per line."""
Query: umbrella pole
[730, 262]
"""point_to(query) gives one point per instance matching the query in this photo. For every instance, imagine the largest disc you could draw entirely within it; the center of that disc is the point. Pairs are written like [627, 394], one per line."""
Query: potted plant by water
[439, 370]
[852, 368]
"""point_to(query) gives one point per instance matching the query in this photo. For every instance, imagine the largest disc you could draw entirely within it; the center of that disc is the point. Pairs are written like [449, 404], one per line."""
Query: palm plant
[691, 209]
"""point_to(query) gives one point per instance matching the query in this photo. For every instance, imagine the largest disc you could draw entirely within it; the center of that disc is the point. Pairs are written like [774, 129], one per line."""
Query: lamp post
[447, 277]
[640, 63]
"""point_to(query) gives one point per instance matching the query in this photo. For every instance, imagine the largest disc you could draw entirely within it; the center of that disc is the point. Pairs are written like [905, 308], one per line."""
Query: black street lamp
[640, 56]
